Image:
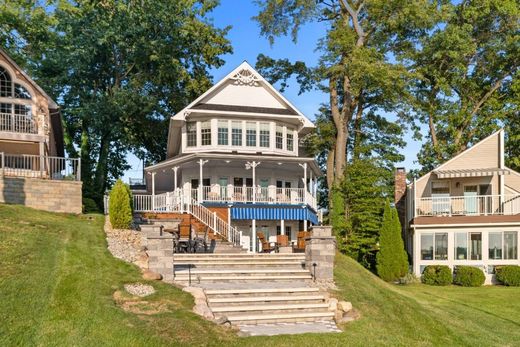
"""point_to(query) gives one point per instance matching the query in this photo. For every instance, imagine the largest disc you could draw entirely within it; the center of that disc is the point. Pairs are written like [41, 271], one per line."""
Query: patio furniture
[300, 243]
[266, 245]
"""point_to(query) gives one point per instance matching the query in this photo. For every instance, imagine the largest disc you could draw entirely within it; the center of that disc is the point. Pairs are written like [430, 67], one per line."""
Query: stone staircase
[255, 288]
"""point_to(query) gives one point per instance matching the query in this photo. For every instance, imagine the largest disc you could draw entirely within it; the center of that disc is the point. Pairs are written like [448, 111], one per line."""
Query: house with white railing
[33, 167]
[464, 212]
[236, 150]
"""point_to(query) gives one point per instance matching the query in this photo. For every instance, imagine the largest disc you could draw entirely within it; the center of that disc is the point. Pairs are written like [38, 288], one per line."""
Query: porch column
[153, 191]
[304, 166]
[305, 225]
[42, 159]
[175, 168]
[253, 235]
[311, 186]
[252, 166]
[282, 227]
[201, 164]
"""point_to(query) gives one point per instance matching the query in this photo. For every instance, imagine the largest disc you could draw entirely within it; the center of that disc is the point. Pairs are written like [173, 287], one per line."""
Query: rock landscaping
[139, 289]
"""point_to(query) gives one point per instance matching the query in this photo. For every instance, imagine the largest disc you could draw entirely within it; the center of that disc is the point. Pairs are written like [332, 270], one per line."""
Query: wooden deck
[434, 220]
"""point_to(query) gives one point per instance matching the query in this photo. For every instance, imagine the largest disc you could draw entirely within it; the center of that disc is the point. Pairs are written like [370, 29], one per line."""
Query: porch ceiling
[471, 172]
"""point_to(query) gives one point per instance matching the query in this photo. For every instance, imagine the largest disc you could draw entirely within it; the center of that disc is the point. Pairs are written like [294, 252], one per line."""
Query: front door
[223, 186]
[470, 199]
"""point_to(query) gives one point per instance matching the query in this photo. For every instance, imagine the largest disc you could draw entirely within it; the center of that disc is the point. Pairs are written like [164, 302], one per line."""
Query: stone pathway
[289, 328]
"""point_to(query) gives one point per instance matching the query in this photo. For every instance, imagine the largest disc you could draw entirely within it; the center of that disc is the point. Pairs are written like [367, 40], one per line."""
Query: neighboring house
[235, 151]
[31, 146]
[464, 212]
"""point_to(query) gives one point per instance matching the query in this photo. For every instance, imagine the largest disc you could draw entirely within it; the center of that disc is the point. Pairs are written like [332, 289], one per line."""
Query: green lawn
[57, 282]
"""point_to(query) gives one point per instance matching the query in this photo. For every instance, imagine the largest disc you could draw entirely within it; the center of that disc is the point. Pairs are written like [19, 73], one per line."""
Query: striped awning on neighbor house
[274, 213]
[471, 172]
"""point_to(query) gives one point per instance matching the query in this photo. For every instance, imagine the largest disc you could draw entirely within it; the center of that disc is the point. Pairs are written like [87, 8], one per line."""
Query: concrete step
[261, 262]
[268, 271]
[294, 299]
[234, 256]
[282, 307]
[280, 317]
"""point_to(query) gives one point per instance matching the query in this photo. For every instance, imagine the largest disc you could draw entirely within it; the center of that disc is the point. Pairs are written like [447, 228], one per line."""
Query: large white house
[234, 161]
[464, 212]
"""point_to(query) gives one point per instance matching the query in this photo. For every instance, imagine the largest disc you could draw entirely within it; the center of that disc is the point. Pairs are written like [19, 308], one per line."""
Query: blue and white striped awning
[273, 213]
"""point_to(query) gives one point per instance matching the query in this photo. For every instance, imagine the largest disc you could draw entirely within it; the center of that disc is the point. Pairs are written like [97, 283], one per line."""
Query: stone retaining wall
[48, 195]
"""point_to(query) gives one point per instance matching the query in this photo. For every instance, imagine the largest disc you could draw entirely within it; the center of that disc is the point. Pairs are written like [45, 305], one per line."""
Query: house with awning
[464, 212]
[235, 162]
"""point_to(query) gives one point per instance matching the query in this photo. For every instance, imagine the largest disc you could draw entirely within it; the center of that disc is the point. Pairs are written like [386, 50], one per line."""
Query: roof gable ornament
[246, 78]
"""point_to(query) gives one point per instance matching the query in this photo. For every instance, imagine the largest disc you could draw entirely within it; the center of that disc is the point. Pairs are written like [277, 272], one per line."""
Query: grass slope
[57, 280]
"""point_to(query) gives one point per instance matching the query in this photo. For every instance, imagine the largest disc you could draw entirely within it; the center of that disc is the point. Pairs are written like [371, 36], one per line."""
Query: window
[279, 137]
[475, 246]
[251, 134]
[20, 92]
[191, 132]
[441, 187]
[441, 246]
[290, 140]
[434, 246]
[503, 245]
[236, 133]
[427, 246]
[461, 246]
[205, 133]
[5, 83]
[264, 135]
[223, 133]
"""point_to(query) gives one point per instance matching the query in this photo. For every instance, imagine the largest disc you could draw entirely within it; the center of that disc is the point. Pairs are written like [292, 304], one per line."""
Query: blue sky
[247, 44]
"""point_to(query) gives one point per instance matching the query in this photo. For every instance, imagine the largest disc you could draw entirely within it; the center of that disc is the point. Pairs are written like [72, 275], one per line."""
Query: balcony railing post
[78, 173]
[3, 164]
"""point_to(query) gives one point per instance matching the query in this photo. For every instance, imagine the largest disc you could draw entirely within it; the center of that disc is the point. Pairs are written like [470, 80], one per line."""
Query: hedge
[508, 275]
[468, 276]
[437, 275]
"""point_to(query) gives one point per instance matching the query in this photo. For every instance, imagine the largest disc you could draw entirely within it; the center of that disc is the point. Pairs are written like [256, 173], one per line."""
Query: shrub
[469, 276]
[437, 275]
[392, 261]
[90, 206]
[120, 209]
[508, 275]
[409, 278]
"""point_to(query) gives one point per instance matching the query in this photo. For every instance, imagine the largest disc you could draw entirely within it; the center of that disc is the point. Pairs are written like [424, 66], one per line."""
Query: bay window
[290, 140]
[223, 133]
[251, 134]
[236, 133]
[191, 134]
[279, 137]
[205, 133]
[264, 135]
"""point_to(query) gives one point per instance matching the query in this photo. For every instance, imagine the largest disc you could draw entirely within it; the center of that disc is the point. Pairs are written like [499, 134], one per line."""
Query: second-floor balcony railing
[268, 195]
[476, 205]
[39, 166]
[18, 123]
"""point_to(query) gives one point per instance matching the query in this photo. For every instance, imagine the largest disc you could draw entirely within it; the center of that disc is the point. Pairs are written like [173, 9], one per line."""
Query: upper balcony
[16, 123]
[472, 205]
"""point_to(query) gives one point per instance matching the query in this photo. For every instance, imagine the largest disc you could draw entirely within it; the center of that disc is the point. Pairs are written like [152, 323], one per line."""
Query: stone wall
[47, 195]
[159, 247]
[320, 249]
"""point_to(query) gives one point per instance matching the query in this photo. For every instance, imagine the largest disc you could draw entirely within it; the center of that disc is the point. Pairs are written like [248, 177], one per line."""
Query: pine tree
[120, 209]
[392, 261]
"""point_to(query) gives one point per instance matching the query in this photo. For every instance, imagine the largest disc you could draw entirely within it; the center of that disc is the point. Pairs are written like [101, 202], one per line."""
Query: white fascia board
[462, 225]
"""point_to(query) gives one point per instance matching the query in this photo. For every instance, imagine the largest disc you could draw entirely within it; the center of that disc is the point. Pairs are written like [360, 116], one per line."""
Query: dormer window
[236, 133]
[205, 133]
[191, 131]
[251, 134]
[223, 133]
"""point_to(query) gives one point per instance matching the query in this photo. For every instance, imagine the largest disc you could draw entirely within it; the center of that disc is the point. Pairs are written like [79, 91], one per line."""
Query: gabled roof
[446, 171]
[52, 103]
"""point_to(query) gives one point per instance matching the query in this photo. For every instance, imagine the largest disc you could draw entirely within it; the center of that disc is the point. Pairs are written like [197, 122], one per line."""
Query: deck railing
[268, 195]
[18, 123]
[477, 205]
[40, 166]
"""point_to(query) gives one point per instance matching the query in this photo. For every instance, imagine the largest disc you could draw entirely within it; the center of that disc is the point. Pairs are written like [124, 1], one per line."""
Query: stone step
[239, 265]
[280, 317]
[282, 307]
[215, 302]
[235, 256]
[241, 271]
[254, 291]
[240, 279]
[254, 262]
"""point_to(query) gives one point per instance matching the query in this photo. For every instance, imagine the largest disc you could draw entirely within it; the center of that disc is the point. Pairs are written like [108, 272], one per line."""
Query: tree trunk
[101, 167]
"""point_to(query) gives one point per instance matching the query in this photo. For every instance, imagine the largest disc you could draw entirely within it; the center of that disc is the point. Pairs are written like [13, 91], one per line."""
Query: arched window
[15, 115]
[6, 87]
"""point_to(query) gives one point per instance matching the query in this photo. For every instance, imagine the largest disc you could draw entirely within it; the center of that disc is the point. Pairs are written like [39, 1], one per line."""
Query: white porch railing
[18, 123]
[478, 205]
[40, 166]
[177, 202]
[268, 195]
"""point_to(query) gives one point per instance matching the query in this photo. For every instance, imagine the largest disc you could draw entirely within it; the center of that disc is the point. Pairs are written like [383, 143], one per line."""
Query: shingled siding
[54, 196]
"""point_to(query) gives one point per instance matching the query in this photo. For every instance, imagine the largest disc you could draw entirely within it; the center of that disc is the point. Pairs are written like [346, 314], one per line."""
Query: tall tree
[466, 70]
[120, 69]
[356, 68]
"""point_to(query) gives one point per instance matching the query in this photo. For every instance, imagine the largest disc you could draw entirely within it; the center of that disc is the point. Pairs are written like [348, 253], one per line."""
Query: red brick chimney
[400, 193]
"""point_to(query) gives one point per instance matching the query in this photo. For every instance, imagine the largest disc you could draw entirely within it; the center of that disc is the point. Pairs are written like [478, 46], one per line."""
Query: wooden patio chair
[282, 240]
[300, 242]
[266, 245]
